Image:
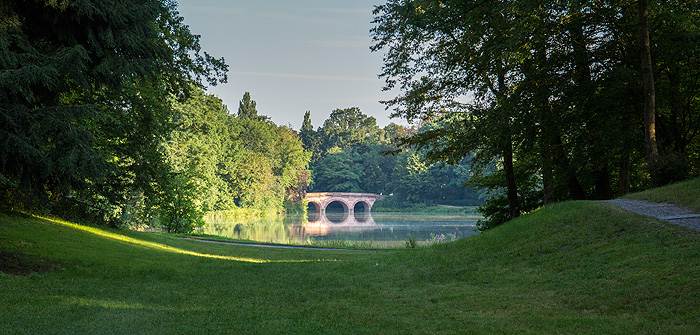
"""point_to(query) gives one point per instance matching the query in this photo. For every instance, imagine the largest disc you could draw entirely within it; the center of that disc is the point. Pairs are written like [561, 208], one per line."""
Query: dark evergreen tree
[84, 96]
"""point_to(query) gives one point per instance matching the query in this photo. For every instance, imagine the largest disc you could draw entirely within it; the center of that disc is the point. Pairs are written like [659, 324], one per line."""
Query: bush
[669, 168]
[496, 210]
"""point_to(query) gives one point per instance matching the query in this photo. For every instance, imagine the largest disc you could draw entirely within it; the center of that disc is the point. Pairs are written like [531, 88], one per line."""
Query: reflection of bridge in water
[321, 224]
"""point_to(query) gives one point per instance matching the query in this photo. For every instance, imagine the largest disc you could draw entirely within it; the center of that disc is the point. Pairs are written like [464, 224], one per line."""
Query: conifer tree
[84, 91]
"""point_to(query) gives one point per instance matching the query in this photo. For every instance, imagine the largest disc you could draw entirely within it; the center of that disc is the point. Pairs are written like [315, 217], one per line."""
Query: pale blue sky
[293, 56]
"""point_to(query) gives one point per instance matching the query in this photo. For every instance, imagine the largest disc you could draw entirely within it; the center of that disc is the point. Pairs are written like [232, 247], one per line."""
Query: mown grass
[686, 194]
[570, 268]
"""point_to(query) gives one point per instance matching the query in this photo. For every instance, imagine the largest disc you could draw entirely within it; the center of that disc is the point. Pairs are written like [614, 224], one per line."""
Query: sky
[293, 56]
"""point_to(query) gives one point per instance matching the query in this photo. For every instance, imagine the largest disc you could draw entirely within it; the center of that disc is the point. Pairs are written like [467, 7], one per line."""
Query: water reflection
[322, 224]
[341, 219]
[387, 229]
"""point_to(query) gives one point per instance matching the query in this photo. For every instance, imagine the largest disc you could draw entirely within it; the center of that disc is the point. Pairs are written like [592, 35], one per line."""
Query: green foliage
[238, 162]
[347, 127]
[247, 109]
[554, 90]
[411, 242]
[199, 142]
[671, 167]
[84, 99]
[177, 204]
[338, 172]
[350, 155]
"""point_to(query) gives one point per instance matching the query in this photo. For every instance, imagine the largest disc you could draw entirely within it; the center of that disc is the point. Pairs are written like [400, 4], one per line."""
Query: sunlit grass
[160, 246]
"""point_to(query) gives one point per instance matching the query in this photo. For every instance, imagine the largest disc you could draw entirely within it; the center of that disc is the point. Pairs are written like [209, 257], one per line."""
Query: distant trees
[556, 89]
[350, 155]
[240, 160]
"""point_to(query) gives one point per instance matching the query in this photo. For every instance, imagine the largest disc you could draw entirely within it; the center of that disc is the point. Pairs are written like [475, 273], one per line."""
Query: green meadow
[570, 268]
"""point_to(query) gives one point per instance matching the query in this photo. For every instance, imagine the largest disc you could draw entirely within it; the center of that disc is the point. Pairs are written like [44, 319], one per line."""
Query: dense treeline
[103, 119]
[240, 160]
[349, 154]
[560, 105]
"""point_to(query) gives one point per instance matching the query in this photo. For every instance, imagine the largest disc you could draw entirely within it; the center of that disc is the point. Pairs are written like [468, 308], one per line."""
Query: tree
[310, 138]
[411, 178]
[562, 104]
[84, 96]
[177, 204]
[649, 91]
[337, 172]
[347, 127]
[265, 167]
[199, 144]
[246, 107]
[437, 60]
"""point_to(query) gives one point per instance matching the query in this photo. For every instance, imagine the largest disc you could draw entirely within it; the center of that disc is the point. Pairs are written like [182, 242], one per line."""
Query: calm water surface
[382, 229]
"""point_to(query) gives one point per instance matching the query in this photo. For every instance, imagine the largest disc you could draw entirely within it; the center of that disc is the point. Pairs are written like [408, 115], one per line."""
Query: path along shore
[663, 211]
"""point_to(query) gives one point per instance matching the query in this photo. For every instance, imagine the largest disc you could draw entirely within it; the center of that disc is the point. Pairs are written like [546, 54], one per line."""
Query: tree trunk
[649, 90]
[602, 183]
[582, 63]
[572, 183]
[547, 176]
[513, 201]
[546, 146]
[542, 95]
[624, 187]
[511, 186]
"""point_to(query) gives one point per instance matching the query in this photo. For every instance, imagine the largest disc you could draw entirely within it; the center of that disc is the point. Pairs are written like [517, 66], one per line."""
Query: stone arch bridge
[349, 201]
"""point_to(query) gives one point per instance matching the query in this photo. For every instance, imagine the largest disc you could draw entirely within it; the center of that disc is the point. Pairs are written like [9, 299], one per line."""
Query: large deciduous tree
[548, 90]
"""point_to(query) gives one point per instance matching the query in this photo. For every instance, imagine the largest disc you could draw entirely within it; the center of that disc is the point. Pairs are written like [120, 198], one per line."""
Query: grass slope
[570, 268]
[685, 194]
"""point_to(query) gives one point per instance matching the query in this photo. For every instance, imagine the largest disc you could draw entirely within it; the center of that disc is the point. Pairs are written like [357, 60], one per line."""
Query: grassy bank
[570, 268]
[426, 209]
[686, 194]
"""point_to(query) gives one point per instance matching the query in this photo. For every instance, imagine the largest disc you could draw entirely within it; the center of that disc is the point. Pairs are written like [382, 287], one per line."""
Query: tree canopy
[546, 95]
[84, 91]
[350, 153]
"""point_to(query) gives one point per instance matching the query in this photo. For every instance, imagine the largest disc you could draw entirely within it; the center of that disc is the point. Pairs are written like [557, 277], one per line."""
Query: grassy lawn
[569, 268]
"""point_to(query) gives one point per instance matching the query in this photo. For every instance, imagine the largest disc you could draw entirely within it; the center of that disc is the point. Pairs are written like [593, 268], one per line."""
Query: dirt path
[663, 211]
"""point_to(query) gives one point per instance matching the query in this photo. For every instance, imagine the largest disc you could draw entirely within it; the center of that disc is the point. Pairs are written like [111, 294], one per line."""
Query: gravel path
[667, 212]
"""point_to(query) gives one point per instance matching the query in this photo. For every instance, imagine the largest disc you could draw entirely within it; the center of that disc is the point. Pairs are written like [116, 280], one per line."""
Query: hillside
[574, 267]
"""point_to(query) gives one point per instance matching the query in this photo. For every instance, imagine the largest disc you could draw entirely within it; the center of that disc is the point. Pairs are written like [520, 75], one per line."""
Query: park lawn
[570, 268]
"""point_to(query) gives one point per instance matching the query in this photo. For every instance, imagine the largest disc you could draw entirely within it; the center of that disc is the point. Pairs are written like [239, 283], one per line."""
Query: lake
[381, 229]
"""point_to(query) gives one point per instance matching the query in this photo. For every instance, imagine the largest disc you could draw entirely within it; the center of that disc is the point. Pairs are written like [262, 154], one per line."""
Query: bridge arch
[361, 206]
[337, 205]
[314, 207]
